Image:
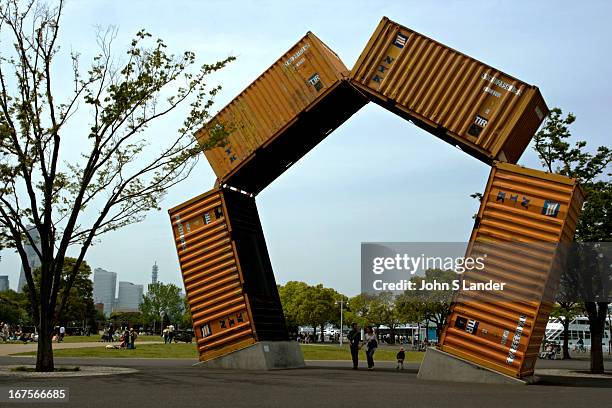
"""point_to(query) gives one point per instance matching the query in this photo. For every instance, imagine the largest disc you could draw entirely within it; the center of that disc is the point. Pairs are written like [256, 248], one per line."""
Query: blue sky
[377, 178]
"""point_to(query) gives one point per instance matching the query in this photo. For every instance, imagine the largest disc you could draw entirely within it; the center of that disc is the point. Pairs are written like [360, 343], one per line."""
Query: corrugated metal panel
[210, 249]
[484, 111]
[308, 76]
[524, 215]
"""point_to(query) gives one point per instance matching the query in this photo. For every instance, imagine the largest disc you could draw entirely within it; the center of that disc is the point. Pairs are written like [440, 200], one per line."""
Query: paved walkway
[8, 349]
[175, 383]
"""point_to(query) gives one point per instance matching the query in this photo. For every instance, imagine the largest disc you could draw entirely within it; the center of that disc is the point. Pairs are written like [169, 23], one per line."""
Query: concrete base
[265, 355]
[440, 366]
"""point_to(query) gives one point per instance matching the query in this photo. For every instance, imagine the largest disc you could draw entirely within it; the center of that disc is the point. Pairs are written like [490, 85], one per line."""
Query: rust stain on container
[226, 270]
[523, 217]
[282, 115]
[465, 102]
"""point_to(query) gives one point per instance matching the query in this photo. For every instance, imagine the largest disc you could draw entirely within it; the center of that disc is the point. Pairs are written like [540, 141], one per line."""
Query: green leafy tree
[186, 321]
[162, 298]
[13, 308]
[127, 319]
[292, 295]
[79, 304]
[318, 307]
[428, 305]
[358, 309]
[383, 311]
[567, 311]
[73, 179]
[592, 170]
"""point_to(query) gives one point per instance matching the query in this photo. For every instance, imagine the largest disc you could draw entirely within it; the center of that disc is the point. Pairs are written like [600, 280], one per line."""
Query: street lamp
[341, 319]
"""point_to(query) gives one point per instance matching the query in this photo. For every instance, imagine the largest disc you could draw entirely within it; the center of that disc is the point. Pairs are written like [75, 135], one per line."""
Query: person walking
[62, 333]
[401, 355]
[354, 338]
[371, 345]
[132, 338]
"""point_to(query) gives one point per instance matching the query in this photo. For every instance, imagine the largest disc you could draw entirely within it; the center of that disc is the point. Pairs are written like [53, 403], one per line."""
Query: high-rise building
[130, 297]
[105, 284]
[33, 258]
[154, 273]
[4, 283]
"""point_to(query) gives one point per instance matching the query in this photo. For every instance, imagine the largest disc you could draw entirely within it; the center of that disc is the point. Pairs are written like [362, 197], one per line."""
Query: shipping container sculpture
[281, 116]
[485, 112]
[525, 214]
[301, 99]
[226, 270]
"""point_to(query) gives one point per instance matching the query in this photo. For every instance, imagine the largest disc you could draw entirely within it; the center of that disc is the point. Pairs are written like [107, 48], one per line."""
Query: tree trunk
[566, 354]
[322, 334]
[44, 355]
[439, 327]
[597, 316]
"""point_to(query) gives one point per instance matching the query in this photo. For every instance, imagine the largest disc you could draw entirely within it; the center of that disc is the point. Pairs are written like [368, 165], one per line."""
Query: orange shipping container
[226, 270]
[523, 217]
[281, 116]
[483, 111]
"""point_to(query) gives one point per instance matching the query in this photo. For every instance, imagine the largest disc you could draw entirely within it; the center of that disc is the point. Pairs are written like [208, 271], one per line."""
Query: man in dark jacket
[354, 338]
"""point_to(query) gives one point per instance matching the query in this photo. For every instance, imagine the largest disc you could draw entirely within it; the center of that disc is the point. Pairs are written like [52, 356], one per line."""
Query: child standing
[400, 358]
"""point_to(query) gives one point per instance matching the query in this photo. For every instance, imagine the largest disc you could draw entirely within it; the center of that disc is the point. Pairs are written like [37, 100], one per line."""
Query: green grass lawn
[91, 339]
[96, 337]
[174, 350]
[182, 350]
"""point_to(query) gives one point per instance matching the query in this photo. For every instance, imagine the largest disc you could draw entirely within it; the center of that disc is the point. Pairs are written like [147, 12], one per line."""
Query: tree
[186, 320]
[13, 307]
[567, 311]
[127, 319]
[428, 305]
[164, 298]
[79, 296]
[74, 181]
[318, 307]
[292, 295]
[383, 311]
[595, 223]
[358, 309]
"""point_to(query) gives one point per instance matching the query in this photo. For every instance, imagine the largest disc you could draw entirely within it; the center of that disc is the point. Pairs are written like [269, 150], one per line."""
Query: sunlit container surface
[282, 115]
[523, 217]
[227, 273]
[480, 109]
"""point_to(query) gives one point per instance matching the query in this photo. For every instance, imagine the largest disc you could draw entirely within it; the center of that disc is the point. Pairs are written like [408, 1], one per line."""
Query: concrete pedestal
[264, 355]
[440, 366]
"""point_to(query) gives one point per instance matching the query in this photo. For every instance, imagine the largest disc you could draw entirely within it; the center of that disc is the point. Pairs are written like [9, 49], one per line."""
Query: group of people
[16, 333]
[168, 334]
[370, 342]
[125, 336]
[128, 338]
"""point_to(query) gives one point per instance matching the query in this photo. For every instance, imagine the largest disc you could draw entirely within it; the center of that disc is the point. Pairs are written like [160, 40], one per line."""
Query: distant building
[154, 273]
[105, 284]
[99, 307]
[33, 258]
[4, 283]
[130, 297]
